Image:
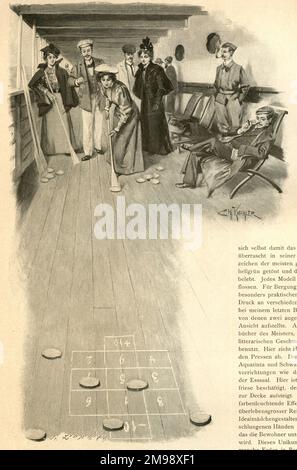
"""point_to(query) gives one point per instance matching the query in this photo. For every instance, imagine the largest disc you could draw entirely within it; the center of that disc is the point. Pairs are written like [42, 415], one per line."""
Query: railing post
[33, 49]
[19, 52]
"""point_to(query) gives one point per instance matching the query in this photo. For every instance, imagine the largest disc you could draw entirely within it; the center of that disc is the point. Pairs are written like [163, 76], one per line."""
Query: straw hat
[105, 68]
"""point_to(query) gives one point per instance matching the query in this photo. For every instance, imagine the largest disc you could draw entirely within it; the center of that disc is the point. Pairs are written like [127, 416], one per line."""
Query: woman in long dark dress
[151, 84]
[50, 86]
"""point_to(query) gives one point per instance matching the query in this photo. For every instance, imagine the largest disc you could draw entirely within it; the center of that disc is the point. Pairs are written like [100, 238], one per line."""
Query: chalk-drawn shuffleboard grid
[114, 366]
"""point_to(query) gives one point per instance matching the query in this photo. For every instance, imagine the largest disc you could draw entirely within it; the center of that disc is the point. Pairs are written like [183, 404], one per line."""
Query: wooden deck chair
[251, 173]
[200, 123]
[178, 123]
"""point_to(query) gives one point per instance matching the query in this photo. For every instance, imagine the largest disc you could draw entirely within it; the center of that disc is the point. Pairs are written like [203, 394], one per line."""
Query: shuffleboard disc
[200, 419]
[160, 168]
[59, 172]
[113, 424]
[52, 353]
[35, 434]
[89, 382]
[44, 180]
[141, 180]
[148, 177]
[50, 176]
[137, 385]
[155, 181]
[50, 170]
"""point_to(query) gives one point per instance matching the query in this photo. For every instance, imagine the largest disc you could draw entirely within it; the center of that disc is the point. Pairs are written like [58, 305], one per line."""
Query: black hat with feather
[146, 46]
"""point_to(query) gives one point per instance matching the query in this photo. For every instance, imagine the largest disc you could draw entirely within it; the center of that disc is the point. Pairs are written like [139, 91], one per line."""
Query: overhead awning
[109, 24]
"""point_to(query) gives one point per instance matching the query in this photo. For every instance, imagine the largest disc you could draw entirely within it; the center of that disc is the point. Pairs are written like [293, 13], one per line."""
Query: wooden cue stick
[74, 157]
[113, 177]
[39, 156]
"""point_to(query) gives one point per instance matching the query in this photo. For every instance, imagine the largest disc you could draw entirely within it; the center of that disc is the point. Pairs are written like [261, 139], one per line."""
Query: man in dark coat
[151, 84]
[216, 161]
[171, 74]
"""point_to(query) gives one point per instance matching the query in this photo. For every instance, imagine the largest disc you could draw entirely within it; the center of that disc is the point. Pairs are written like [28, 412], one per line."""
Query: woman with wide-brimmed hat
[151, 84]
[50, 86]
[124, 115]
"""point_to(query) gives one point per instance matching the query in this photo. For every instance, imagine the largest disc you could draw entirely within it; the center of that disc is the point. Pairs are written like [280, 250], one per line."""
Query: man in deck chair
[217, 160]
[83, 77]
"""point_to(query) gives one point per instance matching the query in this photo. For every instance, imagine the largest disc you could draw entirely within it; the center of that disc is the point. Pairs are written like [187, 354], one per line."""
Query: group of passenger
[132, 98]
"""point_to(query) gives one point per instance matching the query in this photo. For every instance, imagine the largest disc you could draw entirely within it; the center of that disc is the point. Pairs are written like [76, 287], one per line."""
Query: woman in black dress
[151, 84]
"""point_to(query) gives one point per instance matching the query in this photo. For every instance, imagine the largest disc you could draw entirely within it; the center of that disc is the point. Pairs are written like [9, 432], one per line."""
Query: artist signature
[235, 213]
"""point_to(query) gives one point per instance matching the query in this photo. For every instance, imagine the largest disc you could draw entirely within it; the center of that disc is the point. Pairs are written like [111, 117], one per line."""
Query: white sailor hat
[105, 68]
[84, 43]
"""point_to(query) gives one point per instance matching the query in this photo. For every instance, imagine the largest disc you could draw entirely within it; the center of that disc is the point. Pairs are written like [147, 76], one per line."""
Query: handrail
[14, 92]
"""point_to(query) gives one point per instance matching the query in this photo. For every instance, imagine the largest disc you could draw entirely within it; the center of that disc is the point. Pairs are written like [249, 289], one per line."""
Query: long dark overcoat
[150, 87]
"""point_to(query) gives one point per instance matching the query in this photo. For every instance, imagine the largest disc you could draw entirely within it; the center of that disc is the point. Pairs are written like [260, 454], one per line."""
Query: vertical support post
[18, 137]
[19, 52]
[33, 47]
[37, 53]
[41, 43]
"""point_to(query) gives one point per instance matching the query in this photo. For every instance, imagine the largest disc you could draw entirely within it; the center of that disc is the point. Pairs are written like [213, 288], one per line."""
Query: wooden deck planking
[159, 296]
[33, 225]
[102, 288]
[126, 310]
[81, 334]
[141, 287]
[132, 307]
[45, 373]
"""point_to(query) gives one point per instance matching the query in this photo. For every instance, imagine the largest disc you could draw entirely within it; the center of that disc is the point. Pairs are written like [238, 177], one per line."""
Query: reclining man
[218, 159]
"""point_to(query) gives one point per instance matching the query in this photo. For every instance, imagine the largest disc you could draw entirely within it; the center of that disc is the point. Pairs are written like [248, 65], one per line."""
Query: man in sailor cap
[231, 85]
[83, 77]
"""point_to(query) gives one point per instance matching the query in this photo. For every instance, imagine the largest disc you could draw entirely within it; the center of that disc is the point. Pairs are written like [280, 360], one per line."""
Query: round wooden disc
[137, 384]
[156, 175]
[113, 424]
[44, 180]
[141, 180]
[59, 172]
[115, 189]
[160, 168]
[35, 434]
[148, 177]
[52, 353]
[89, 382]
[155, 181]
[200, 419]
[50, 170]
[50, 176]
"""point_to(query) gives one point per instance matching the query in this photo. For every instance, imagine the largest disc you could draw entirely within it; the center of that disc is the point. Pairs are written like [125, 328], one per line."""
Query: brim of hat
[104, 69]
[84, 44]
